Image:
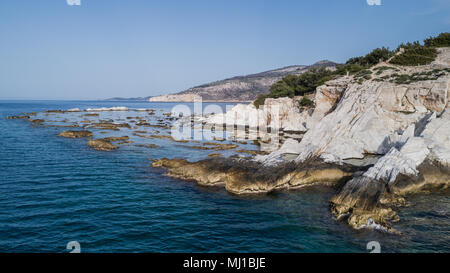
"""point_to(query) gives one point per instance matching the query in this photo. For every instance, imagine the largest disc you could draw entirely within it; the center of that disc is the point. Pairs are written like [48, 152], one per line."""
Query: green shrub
[419, 76]
[442, 40]
[363, 73]
[415, 56]
[306, 102]
[348, 68]
[260, 100]
[381, 69]
[298, 85]
[377, 55]
[418, 54]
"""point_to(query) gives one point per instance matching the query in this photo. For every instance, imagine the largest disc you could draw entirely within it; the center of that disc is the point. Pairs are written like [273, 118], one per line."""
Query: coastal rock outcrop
[76, 134]
[246, 177]
[102, 145]
[18, 117]
[115, 139]
[283, 114]
[397, 122]
[367, 116]
[421, 163]
[279, 114]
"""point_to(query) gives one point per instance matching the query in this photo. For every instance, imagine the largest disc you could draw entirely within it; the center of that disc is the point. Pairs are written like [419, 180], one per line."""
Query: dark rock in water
[126, 142]
[109, 126]
[55, 111]
[151, 146]
[219, 146]
[18, 117]
[251, 152]
[76, 134]
[358, 202]
[37, 121]
[102, 145]
[365, 201]
[142, 123]
[65, 126]
[200, 147]
[91, 115]
[113, 139]
[123, 125]
[247, 177]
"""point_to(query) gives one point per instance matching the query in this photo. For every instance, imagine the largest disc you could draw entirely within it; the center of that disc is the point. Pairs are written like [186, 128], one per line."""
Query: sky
[129, 48]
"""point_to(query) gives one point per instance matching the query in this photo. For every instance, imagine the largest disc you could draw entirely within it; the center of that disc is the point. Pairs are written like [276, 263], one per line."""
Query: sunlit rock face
[399, 131]
[420, 163]
[249, 177]
[365, 118]
[280, 114]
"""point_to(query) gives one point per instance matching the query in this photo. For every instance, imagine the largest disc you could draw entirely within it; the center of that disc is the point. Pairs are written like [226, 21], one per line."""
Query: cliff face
[400, 117]
[350, 118]
[238, 89]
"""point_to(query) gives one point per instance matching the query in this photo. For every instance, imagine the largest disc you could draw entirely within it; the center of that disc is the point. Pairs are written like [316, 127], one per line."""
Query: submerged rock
[37, 121]
[251, 152]
[102, 145]
[109, 126]
[113, 139]
[76, 134]
[18, 117]
[151, 146]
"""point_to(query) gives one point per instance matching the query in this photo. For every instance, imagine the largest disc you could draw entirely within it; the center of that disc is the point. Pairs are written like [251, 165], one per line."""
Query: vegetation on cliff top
[409, 54]
[414, 54]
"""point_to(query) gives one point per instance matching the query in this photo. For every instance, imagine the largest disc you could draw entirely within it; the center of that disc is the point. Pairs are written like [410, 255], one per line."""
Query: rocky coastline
[374, 142]
[403, 128]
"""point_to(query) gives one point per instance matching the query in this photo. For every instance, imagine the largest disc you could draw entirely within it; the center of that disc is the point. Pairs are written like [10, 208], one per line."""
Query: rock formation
[395, 133]
[246, 177]
[76, 134]
[102, 145]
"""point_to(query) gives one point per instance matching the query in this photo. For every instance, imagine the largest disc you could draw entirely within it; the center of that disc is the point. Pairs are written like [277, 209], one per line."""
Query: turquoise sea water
[55, 190]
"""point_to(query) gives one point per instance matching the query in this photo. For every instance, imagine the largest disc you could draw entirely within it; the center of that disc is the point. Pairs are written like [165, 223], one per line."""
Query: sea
[55, 191]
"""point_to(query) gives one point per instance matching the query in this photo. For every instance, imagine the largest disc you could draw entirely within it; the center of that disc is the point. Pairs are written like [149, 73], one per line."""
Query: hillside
[240, 88]
[129, 99]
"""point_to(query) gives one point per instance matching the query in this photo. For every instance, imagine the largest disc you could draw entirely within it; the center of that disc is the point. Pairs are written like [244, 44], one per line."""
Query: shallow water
[55, 190]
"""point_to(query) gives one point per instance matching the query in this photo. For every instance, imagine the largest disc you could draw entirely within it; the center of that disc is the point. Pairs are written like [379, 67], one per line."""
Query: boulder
[102, 145]
[76, 134]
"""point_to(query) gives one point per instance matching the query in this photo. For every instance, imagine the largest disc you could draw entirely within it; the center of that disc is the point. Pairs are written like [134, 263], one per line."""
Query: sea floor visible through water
[55, 190]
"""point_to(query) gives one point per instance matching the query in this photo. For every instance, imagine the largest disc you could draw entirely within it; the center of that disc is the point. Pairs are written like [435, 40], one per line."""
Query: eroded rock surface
[246, 177]
[421, 163]
[403, 127]
[76, 134]
[102, 145]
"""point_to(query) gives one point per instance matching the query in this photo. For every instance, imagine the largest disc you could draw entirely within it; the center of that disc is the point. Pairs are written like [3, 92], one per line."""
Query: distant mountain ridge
[130, 99]
[239, 88]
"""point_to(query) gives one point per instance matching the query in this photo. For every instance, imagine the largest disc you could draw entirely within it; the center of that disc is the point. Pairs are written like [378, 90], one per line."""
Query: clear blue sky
[108, 48]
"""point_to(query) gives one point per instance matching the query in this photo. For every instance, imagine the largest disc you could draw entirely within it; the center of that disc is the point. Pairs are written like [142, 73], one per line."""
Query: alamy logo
[74, 246]
[73, 2]
[374, 2]
[374, 246]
